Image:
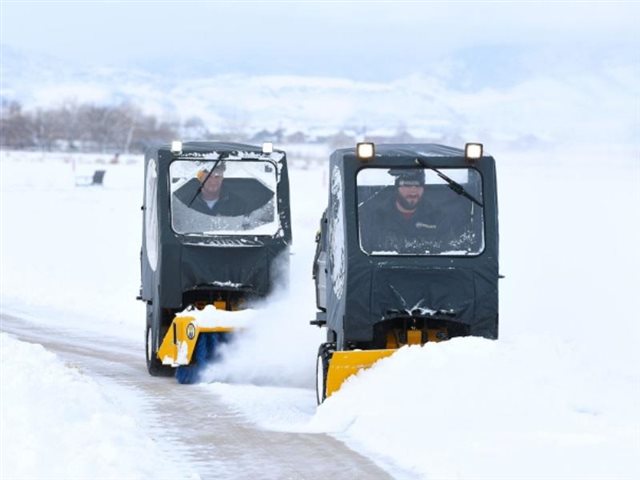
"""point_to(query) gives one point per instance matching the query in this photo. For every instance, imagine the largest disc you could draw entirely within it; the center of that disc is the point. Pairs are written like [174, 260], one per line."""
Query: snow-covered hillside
[523, 101]
[556, 397]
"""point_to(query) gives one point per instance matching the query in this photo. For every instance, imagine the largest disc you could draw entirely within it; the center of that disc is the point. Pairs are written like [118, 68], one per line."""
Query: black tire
[154, 365]
[325, 351]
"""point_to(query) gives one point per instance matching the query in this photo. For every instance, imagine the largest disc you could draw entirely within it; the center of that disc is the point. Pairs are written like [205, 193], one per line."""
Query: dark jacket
[383, 228]
[228, 205]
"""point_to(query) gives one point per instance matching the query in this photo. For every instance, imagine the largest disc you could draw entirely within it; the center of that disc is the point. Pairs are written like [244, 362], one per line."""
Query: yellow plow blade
[180, 341]
[343, 364]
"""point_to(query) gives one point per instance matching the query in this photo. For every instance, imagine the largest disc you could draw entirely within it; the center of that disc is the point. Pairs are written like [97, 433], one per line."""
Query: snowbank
[59, 424]
[473, 408]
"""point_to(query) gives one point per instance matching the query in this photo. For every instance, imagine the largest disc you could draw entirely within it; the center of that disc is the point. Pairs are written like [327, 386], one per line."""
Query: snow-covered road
[191, 422]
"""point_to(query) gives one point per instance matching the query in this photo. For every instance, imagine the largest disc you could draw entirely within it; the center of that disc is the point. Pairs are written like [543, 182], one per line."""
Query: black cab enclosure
[215, 219]
[409, 241]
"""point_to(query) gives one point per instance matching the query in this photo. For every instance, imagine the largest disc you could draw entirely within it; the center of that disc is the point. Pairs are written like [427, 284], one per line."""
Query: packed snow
[555, 397]
[58, 423]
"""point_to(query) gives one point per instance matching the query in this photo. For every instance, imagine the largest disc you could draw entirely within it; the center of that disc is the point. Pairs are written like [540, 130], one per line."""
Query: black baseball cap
[408, 177]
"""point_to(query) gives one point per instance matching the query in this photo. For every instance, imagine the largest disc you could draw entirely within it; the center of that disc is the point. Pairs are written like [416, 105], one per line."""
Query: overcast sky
[321, 38]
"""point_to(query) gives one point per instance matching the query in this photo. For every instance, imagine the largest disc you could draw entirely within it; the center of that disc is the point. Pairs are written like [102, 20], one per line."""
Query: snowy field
[558, 396]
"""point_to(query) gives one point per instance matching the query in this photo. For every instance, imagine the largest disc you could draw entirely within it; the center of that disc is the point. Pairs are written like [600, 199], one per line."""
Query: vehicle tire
[322, 368]
[154, 365]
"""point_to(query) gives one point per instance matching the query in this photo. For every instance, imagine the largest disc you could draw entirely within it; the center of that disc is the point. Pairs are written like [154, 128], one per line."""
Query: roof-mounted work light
[176, 147]
[473, 151]
[267, 147]
[365, 151]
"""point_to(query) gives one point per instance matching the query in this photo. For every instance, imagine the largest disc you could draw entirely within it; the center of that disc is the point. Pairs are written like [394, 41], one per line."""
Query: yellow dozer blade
[343, 364]
[180, 341]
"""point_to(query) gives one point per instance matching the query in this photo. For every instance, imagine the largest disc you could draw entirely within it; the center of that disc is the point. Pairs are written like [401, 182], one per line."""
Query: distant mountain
[499, 94]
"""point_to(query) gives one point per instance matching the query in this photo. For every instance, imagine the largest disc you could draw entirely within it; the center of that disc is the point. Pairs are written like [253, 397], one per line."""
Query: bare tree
[69, 126]
[120, 128]
[45, 129]
[15, 126]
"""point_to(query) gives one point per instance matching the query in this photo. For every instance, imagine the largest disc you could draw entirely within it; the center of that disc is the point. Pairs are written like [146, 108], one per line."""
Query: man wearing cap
[206, 194]
[403, 220]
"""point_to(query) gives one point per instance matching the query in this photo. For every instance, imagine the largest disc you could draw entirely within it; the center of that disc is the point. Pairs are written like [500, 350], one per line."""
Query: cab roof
[402, 150]
[203, 147]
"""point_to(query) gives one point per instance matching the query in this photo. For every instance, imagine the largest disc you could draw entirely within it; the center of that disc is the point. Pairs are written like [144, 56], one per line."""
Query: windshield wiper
[204, 181]
[453, 185]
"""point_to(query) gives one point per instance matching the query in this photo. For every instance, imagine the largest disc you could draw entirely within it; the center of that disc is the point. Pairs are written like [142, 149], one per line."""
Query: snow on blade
[210, 317]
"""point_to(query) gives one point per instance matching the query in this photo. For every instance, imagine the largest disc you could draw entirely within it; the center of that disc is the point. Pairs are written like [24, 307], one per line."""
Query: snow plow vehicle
[216, 235]
[407, 253]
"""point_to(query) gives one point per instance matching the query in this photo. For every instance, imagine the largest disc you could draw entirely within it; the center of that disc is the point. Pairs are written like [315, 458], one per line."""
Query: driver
[405, 221]
[207, 194]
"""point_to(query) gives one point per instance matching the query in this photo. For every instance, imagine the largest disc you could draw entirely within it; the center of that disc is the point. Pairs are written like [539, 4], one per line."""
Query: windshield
[413, 211]
[237, 197]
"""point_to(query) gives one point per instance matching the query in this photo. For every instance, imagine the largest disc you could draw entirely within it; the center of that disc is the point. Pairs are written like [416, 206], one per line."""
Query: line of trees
[125, 128]
[81, 127]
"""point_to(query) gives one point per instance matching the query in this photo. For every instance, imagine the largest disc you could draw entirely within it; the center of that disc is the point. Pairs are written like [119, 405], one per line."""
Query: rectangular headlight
[365, 150]
[473, 150]
[176, 146]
